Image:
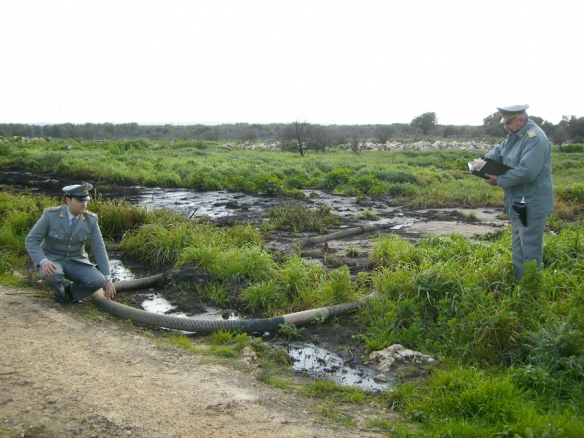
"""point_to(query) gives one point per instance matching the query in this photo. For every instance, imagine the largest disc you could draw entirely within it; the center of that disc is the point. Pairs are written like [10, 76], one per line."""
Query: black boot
[63, 293]
[60, 294]
[70, 294]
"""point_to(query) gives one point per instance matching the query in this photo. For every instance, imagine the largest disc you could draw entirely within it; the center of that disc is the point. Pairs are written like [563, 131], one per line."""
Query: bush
[574, 193]
[336, 177]
[269, 185]
[261, 296]
[297, 218]
[203, 182]
[572, 147]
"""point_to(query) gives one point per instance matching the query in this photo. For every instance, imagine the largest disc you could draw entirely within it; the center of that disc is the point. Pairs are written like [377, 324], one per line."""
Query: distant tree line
[298, 135]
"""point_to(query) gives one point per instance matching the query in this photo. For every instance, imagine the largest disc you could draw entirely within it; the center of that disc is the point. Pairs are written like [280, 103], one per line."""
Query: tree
[492, 125]
[546, 126]
[575, 127]
[425, 122]
[560, 136]
[246, 132]
[295, 136]
[450, 130]
[319, 138]
[211, 134]
[383, 133]
[356, 144]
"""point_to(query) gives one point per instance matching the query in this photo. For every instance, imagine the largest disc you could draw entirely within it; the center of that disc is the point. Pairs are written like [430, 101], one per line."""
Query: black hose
[211, 325]
[208, 325]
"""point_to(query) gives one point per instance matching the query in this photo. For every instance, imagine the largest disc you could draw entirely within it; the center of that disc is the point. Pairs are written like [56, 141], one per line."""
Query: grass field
[511, 354]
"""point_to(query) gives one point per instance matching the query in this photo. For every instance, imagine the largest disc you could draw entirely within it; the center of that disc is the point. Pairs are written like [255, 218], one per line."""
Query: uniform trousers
[527, 243]
[85, 278]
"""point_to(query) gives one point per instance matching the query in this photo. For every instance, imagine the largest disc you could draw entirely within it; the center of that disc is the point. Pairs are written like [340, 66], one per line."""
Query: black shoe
[70, 294]
[60, 294]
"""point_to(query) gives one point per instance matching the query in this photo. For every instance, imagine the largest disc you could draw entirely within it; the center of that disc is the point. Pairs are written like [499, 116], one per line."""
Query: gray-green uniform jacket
[51, 238]
[528, 152]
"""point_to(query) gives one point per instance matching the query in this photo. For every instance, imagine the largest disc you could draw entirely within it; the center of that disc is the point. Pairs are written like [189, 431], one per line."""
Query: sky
[279, 61]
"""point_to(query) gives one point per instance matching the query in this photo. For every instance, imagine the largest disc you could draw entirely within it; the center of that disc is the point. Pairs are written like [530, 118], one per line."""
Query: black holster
[521, 210]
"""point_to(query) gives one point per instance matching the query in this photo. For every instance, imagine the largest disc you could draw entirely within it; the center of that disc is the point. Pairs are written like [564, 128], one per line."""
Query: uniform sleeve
[34, 238]
[98, 249]
[495, 153]
[531, 162]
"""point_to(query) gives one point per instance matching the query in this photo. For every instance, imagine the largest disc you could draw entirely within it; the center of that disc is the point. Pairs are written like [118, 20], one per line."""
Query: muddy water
[308, 359]
[228, 207]
[156, 303]
[318, 362]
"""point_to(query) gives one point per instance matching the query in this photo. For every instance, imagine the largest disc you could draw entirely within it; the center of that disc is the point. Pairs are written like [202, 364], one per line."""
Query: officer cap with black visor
[78, 191]
[511, 112]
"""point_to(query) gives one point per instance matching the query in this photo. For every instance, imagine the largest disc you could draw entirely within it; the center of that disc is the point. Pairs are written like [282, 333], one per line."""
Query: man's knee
[51, 280]
[95, 281]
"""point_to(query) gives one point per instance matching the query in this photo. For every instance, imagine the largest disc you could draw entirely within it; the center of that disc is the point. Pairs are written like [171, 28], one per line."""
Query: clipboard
[492, 167]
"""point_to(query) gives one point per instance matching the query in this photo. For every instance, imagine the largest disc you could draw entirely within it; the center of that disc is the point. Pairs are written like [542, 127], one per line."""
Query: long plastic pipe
[209, 326]
[338, 235]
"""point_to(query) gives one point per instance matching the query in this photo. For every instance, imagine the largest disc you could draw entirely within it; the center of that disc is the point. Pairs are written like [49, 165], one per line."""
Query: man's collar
[69, 214]
[524, 128]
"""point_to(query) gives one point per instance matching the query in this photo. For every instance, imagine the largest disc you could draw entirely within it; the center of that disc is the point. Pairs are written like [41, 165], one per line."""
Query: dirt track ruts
[63, 373]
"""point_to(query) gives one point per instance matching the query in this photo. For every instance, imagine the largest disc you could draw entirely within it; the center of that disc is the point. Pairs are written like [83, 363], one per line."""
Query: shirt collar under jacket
[70, 216]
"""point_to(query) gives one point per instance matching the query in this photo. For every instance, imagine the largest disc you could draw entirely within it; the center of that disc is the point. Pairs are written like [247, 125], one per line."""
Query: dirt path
[65, 374]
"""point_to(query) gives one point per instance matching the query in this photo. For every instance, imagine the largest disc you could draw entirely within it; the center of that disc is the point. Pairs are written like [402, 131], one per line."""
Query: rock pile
[23, 139]
[437, 145]
[365, 146]
[397, 359]
[389, 146]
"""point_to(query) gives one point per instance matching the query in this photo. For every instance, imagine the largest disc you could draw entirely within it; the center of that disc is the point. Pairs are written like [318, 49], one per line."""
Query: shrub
[298, 218]
[336, 177]
[203, 181]
[574, 193]
[363, 183]
[241, 184]
[572, 147]
[269, 185]
[159, 245]
[262, 296]
[226, 262]
[468, 403]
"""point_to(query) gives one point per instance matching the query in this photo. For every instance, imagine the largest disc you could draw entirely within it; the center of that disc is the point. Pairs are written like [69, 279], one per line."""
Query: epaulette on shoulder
[91, 213]
[52, 209]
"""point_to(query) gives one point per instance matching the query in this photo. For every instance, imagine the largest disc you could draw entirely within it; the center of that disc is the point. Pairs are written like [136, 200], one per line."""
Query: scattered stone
[396, 358]
[249, 357]
[438, 145]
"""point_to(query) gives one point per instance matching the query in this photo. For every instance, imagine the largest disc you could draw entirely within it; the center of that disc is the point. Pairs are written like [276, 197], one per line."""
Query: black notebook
[492, 167]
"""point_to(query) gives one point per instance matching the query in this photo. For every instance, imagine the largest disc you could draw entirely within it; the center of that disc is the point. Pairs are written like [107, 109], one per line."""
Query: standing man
[527, 185]
[56, 245]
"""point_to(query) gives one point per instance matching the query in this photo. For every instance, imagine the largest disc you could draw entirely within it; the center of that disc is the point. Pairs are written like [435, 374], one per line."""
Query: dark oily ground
[226, 208]
[337, 335]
